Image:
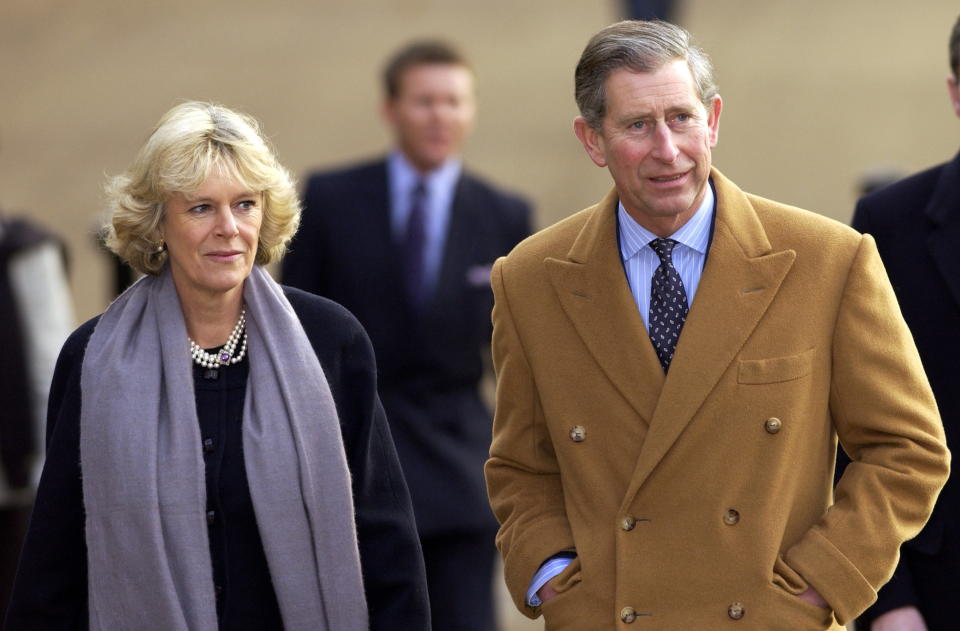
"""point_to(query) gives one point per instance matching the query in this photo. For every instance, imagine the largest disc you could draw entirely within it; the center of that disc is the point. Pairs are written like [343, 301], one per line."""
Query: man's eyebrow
[689, 108]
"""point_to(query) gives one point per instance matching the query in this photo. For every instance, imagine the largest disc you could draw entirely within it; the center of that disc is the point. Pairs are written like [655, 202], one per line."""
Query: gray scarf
[143, 471]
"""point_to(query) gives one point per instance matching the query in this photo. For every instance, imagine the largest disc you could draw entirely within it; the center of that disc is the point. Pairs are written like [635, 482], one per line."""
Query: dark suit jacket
[916, 224]
[431, 363]
[51, 589]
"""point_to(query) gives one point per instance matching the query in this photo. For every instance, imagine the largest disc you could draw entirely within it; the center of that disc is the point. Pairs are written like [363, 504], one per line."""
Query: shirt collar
[403, 176]
[695, 234]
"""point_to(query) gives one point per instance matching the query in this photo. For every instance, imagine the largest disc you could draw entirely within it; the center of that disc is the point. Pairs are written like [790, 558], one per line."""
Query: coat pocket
[787, 612]
[563, 612]
[793, 613]
[776, 369]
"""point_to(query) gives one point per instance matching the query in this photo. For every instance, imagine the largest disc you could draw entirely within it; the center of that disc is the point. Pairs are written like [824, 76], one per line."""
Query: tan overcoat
[704, 500]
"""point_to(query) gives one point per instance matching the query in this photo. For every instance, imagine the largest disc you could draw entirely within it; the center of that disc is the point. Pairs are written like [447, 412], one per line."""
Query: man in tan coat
[675, 366]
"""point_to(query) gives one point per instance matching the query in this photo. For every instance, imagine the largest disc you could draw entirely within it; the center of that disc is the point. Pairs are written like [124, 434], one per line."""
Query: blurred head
[429, 102]
[652, 120]
[639, 46]
[200, 152]
[954, 77]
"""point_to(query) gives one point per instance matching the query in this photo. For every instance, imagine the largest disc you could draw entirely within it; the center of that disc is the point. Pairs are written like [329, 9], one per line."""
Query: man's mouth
[668, 178]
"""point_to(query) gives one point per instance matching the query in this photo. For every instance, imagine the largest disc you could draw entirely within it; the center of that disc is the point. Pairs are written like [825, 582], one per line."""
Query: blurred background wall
[815, 92]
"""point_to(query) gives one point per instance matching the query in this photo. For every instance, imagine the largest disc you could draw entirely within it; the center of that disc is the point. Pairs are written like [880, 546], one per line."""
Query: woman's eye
[247, 204]
[199, 209]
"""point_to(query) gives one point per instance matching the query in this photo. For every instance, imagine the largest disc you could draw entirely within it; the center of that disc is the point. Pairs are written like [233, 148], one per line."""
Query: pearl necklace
[225, 356]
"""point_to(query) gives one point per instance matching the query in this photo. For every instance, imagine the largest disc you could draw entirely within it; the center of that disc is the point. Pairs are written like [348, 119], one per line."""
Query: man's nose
[664, 144]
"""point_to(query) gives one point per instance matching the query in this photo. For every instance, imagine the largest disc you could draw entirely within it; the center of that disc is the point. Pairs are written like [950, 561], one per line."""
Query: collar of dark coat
[943, 209]
[944, 204]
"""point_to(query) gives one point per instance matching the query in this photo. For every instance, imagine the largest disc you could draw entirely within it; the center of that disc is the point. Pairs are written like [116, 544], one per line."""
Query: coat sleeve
[887, 421]
[900, 590]
[50, 591]
[522, 474]
[390, 554]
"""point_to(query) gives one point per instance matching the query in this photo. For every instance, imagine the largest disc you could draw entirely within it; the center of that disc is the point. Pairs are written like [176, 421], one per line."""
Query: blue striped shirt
[640, 261]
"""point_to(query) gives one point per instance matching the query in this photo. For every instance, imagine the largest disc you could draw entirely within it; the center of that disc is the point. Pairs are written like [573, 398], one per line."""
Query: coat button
[207, 445]
[731, 517]
[578, 433]
[211, 517]
[628, 523]
[736, 611]
[772, 425]
[628, 615]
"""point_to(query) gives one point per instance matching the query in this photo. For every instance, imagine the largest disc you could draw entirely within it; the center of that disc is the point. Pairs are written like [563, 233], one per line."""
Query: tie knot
[419, 190]
[664, 249]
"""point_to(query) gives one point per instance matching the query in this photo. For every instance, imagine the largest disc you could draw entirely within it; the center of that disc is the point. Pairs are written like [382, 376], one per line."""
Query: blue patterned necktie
[668, 303]
[414, 245]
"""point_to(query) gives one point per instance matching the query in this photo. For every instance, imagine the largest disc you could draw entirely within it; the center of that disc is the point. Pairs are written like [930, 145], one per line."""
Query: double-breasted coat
[703, 498]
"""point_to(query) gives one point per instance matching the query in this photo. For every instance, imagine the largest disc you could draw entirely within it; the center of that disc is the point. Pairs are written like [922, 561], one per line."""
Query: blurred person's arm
[50, 591]
[39, 281]
[900, 619]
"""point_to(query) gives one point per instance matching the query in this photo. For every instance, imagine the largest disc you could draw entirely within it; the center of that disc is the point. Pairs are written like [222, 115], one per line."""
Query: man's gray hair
[640, 46]
[955, 50]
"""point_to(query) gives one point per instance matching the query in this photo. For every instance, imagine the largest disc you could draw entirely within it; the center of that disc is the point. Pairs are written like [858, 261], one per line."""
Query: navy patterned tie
[668, 303]
[413, 247]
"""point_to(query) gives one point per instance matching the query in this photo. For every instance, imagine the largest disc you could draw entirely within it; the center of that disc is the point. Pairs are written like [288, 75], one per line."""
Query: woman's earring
[161, 246]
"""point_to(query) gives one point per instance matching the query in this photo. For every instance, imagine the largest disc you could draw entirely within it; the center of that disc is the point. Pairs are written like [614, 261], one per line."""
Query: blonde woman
[218, 457]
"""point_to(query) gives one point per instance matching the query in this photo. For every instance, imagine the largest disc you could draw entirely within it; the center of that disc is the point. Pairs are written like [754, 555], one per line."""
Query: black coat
[430, 363]
[916, 223]
[51, 588]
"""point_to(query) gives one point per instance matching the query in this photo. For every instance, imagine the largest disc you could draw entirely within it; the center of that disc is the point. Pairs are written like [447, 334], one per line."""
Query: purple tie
[668, 303]
[414, 245]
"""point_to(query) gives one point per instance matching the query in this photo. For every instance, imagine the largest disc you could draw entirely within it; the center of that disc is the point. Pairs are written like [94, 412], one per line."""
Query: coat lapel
[462, 231]
[740, 280]
[594, 293]
[944, 211]
[384, 256]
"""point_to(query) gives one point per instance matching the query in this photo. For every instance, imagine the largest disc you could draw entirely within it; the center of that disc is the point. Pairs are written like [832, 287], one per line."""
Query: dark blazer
[430, 363]
[51, 589]
[916, 224]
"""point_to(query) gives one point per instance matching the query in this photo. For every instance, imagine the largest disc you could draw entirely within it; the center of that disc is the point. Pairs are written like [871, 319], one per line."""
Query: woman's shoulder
[328, 324]
[314, 310]
[76, 343]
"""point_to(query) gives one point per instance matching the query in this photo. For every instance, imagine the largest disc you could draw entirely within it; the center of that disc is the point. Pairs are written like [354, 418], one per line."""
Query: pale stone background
[815, 93]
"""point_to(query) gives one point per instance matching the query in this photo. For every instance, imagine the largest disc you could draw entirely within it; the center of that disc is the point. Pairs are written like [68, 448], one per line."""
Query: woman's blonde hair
[190, 142]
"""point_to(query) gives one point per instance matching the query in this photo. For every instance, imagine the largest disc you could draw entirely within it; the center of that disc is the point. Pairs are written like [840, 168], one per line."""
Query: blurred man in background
[406, 243]
[35, 318]
[916, 223]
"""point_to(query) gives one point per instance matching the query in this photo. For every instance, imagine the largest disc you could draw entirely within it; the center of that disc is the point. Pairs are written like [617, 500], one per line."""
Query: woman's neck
[210, 318]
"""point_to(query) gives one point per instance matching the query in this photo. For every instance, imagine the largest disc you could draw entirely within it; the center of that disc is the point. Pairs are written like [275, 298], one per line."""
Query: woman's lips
[224, 255]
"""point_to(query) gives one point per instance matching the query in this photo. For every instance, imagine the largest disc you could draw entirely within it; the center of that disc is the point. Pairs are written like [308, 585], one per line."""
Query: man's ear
[386, 112]
[954, 91]
[713, 119]
[592, 141]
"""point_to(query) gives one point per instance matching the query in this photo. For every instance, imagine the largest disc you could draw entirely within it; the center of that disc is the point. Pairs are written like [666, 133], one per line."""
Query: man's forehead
[662, 89]
[435, 68]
